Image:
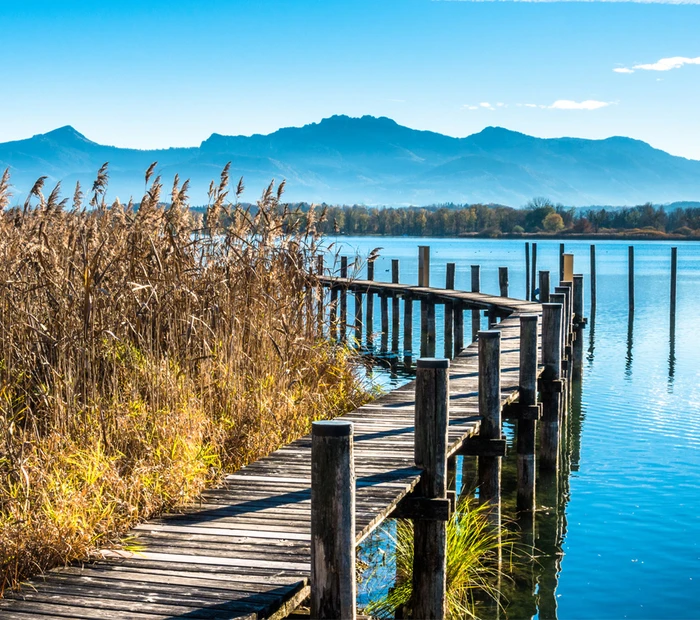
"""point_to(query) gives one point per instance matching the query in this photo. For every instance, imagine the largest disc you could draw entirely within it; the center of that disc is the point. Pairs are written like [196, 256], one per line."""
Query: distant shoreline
[549, 236]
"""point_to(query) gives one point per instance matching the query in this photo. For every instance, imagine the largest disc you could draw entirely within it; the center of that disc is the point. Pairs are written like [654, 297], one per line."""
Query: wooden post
[395, 310]
[476, 288]
[492, 316]
[333, 590]
[490, 412]
[568, 267]
[358, 318]
[423, 265]
[560, 298]
[430, 324]
[566, 325]
[578, 301]
[528, 401]
[430, 537]
[449, 312]
[343, 299]
[333, 318]
[533, 279]
[321, 294]
[458, 311]
[384, 304]
[503, 281]
[561, 262]
[550, 386]
[423, 328]
[593, 278]
[407, 332]
[544, 287]
[630, 283]
[370, 307]
[527, 270]
[674, 274]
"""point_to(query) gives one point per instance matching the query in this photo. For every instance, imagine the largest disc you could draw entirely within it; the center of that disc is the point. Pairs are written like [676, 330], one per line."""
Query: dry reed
[142, 352]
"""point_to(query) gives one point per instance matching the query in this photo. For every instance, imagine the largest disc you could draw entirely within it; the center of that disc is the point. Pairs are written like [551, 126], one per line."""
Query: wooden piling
[593, 278]
[320, 294]
[458, 312]
[423, 265]
[358, 318]
[430, 326]
[544, 287]
[343, 299]
[503, 281]
[370, 307]
[527, 270]
[384, 305]
[527, 424]
[333, 590]
[533, 279]
[550, 385]
[490, 412]
[561, 262]
[333, 312]
[449, 312]
[560, 298]
[630, 277]
[674, 274]
[476, 288]
[430, 537]
[395, 310]
[407, 332]
[577, 303]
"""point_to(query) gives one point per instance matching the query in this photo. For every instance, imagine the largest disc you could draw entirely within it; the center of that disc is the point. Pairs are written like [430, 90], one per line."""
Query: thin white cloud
[466, 106]
[487, 105]
[567, 104]
[665, 64]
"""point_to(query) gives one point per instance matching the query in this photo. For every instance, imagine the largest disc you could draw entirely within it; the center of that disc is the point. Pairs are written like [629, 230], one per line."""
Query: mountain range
[372, 160]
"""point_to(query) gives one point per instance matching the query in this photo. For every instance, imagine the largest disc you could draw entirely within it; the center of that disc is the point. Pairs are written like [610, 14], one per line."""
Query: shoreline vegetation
[144, 351]
[539, 219]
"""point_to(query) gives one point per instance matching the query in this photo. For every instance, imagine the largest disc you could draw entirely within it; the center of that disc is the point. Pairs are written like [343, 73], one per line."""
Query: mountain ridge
[375, 160]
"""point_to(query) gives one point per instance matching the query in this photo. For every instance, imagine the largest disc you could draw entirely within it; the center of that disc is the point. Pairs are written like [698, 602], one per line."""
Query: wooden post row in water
[550, 386]
[333, 589]
[430, 537]
[449, 312]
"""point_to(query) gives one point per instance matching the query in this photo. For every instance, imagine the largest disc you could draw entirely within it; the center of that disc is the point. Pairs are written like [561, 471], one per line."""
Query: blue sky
[157, 74]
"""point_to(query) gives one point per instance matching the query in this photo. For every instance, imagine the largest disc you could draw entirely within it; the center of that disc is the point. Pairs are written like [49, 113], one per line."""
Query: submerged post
[544, 287]
[674, 273]
[593, 278]
[430, 536]
[527, 270]
[395, 310]
[527, 423]
[503, 281]
[449, 312]
[630, 278]
[476, 288]
[550, 386]
[533, 280]
[490, 412]
[333, 590]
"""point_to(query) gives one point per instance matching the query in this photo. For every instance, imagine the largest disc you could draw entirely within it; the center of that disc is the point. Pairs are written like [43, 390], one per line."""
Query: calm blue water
[625, 540]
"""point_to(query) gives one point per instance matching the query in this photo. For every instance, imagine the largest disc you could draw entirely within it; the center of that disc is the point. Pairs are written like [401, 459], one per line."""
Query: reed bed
[142, 353]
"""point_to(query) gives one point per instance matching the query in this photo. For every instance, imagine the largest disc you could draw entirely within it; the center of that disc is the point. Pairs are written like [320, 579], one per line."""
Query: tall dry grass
[142, 352]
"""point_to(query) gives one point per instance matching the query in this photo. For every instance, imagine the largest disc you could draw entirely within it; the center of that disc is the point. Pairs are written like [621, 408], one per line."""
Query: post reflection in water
[630, 341]
[671, 351]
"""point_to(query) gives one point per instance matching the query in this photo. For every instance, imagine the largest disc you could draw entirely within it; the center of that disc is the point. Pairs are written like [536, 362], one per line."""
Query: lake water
[621, 536]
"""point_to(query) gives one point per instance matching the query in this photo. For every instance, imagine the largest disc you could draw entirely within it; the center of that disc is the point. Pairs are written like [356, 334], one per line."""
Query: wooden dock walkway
[244, 550]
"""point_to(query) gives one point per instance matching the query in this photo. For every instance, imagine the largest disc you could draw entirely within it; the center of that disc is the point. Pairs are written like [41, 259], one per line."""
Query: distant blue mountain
[375, 161]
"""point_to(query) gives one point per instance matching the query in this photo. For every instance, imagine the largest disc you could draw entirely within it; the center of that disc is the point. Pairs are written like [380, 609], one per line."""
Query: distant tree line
[539, 216]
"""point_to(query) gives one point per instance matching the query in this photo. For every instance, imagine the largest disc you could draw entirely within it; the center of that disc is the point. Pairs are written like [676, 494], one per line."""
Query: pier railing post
[458, 312]
[630, 278]
[527, 270]
[578, 300]
[533, 280]
[430, 536]
[476, 288]
[430, 325]
[527, 424]
[369, 323]
[593, 279]
[333, 589]
[561, 262]
[544, 287]
[449, 312]
[550, 385]
[490, 412]
[503, 281]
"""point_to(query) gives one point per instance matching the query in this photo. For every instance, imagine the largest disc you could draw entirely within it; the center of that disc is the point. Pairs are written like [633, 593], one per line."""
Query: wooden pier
[245, 550]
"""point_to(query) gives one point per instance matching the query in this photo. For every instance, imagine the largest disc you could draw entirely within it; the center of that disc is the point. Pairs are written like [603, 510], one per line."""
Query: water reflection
[630, 340]
[672, 351]
[591, 337]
